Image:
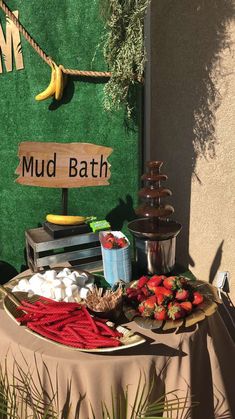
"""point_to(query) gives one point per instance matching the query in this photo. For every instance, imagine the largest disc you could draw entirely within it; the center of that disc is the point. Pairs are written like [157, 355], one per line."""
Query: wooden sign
[10, 45]
[63, 165]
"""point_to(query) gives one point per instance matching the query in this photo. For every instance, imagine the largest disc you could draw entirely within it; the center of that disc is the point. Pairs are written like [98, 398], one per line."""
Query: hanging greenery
[124, 49]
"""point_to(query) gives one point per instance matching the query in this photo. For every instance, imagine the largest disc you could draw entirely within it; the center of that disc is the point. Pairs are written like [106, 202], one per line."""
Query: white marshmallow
[69, 299]
[68, 292]
[36, 280]
[81, 281]
[47, 293]
[67, 282]
[63, 273]
[76, 273]
[83, 292]
[50, 275]
[72, 276]
[57, 283]
[58, 294]
[24, 285]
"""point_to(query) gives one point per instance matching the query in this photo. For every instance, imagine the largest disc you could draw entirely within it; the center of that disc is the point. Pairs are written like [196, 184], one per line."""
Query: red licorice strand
[51, 319]
[36, 304]
[91, 336]
[26, 303]
[71, 336]
[31, 309]
[75, 334]
[78, 342]
[42, 331]
[49, 310]
[93, 325]
[51, 307]
[73, 318]
[102, 343]
[86, 333]
[25, 318]
[89, 339]
[34, 309]
[45, 299]
[98, 319]
[106, 328]
[63, 304]
[83, 324]
[39, 303]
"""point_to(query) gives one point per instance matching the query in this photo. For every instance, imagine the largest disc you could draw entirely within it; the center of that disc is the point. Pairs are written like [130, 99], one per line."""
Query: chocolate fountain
[155, 234]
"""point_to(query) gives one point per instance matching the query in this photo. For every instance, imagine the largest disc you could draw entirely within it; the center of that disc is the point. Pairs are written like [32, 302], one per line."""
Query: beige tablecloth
[200, 362]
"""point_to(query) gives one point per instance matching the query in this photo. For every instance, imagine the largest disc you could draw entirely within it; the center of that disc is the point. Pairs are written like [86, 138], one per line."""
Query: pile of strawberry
[163, 298]
[110, 241]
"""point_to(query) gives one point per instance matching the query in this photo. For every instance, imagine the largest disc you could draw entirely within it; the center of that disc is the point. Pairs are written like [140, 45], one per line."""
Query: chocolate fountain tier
[154, 193]
[150, 229]
[153, 177]
[163, 211]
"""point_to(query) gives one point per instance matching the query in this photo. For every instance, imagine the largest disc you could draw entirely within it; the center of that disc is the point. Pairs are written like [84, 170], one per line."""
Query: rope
[42, 53]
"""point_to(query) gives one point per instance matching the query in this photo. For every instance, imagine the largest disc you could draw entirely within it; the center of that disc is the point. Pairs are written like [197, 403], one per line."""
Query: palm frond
[22, 395]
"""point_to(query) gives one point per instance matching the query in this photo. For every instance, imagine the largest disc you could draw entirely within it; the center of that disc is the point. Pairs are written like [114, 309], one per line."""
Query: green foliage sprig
[124, 49]
[22, 395]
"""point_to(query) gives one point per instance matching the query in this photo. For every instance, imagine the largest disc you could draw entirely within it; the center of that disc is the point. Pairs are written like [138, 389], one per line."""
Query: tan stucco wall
[192, 128]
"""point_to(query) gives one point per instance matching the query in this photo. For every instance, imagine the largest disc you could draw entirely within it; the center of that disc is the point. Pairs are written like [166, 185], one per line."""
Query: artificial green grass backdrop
[69, 31]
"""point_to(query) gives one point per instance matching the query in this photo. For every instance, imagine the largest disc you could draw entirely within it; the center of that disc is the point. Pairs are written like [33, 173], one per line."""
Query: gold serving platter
[200, 312]
[129, 339]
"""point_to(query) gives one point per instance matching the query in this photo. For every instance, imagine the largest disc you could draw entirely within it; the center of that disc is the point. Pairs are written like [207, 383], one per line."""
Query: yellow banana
[65, 219]
[50, 90]
[59, 85]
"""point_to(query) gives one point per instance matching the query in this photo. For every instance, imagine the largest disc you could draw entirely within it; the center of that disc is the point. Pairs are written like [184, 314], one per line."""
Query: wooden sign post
[63, 165]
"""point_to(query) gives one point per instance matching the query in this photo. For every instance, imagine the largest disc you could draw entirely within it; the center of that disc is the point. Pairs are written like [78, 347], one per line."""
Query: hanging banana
[56, 85]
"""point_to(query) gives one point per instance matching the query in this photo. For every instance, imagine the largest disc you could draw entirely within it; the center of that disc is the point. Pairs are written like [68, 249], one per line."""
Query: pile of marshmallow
[65, 285]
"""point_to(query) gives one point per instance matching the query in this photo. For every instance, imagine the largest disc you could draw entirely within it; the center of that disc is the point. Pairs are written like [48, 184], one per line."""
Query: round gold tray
[205, 309]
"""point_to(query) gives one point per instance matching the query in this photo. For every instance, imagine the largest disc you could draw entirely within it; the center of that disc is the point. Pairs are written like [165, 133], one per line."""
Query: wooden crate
[42, 250]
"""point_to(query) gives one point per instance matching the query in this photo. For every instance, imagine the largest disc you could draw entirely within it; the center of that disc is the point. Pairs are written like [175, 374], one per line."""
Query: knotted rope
[42, 53]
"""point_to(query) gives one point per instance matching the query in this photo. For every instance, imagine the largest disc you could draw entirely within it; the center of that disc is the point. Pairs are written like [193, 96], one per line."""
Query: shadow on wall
[187, 40]
[123, 211]
[7, 272]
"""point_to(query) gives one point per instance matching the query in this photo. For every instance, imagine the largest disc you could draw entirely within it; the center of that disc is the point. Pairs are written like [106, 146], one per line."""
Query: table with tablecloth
[197, 362]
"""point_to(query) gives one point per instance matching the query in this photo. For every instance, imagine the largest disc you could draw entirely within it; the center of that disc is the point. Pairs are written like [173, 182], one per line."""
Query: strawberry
[183, 281]
[187, 306]
[142, 281]
[109, 236]
[182, 294]
[140, 297]
[145, 291]
[197, 298]
[147, 307]
[160, 299]
[132, 293]
[155, 281]
[160, 313]
[163, 291]
[141, 308]
[171, 283]
[150, 302]
[175, 311]
[121, 242]
[108, 245]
